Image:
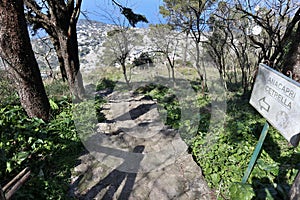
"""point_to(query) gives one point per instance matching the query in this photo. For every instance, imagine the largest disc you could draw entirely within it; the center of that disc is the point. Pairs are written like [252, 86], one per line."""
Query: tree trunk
[171, 63]
[68, 46]
[16, 50]
[185, 48]
[59, 21]
[198, 67]
[125, 74]
[60, 58]
[291, 62]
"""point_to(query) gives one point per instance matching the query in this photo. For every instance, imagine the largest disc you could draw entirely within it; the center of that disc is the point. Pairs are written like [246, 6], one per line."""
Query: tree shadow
[263, 189]
[136, 112]
[115, 178]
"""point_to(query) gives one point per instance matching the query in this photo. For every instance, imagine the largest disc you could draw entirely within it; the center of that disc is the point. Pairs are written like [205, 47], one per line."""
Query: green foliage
[166, 99]
[50, 150]
[105, 84]
[224, 153]
[57, 89]
[239, 191]
[224, 156]
[53, 105]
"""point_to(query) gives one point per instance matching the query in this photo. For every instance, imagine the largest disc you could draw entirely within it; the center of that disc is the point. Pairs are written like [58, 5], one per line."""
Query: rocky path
[134, 156]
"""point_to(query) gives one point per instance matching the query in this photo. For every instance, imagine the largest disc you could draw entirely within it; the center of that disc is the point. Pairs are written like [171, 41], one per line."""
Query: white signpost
[277, 98]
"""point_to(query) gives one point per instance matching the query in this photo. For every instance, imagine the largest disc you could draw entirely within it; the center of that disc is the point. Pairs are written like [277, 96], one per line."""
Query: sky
[96, 9]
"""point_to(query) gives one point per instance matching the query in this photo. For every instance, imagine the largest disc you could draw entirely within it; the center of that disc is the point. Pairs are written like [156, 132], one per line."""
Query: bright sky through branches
[150, 8]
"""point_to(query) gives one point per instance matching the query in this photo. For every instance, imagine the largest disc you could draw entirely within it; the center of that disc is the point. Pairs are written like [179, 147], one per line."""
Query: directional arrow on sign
[264, 105]
[272, 106]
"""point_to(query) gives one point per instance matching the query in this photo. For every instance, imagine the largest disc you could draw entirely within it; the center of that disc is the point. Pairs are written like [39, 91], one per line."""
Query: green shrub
[57, 89]
[105, 83]
[50, 150]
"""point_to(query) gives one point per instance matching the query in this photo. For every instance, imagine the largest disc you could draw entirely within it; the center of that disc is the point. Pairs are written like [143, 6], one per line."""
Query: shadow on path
[136, 112]
[114, 179]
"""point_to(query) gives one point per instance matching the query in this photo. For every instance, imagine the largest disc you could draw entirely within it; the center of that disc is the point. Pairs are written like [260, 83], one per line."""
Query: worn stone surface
[134, 156]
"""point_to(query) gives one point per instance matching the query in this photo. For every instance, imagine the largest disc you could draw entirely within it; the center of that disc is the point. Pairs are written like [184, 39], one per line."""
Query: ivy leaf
[21, 156]
[240, 191]
[8, 167]
[53, 105]
[215, 178]
[271, 167]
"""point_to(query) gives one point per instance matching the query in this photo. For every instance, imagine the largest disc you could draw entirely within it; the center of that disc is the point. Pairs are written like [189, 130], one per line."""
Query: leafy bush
[241, 191]
[50, 150]
[105, 83]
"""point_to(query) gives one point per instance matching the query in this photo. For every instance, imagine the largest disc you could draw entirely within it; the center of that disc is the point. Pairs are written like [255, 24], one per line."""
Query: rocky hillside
[91, 35]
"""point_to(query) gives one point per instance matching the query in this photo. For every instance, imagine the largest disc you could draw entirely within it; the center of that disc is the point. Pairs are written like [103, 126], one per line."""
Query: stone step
[135, 156]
